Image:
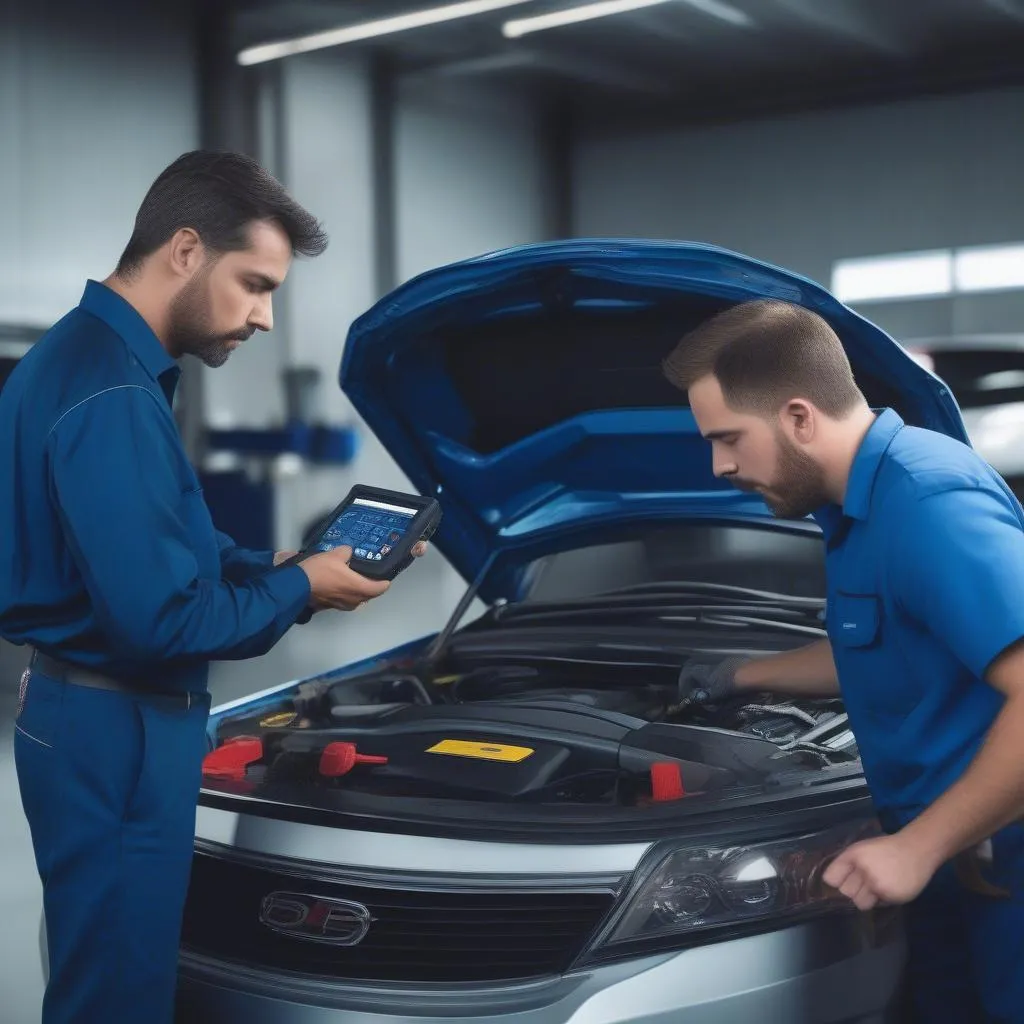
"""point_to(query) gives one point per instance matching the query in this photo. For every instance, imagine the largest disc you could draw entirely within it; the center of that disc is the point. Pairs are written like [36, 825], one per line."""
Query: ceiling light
[990, 267]
[588, 12]
[905, 276]
[370, 29]
[572, 16]
[724, 12]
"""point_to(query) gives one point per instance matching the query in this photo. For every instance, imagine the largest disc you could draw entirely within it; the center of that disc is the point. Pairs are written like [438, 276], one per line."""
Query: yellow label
[481, 751]
[279, 720]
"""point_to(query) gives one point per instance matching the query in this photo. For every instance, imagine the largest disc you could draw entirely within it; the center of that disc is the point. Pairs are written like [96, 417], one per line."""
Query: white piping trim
[29, 736]
[117, 387]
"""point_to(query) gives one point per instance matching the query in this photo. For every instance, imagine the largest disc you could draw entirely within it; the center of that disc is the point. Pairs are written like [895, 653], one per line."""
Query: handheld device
[381, 527]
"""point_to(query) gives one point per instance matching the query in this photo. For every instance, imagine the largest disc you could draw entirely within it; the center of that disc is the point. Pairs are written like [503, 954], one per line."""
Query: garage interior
[871, 146]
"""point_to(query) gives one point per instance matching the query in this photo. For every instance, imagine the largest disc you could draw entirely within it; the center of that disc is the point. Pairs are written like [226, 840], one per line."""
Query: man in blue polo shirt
[111, 570]
[925, 568]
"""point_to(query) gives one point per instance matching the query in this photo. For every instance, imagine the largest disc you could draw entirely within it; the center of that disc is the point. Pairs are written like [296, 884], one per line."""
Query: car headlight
[690, 895]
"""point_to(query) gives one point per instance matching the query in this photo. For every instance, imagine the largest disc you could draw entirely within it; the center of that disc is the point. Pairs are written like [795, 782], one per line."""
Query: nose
[722, 466]
[262, 317]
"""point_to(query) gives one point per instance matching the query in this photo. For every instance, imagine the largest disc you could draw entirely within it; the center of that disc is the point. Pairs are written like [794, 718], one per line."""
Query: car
[985, 372]
[521, 818]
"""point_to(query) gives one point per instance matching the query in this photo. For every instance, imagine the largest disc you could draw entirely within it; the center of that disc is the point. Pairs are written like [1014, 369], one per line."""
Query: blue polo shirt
[108, 556]
[925, 568]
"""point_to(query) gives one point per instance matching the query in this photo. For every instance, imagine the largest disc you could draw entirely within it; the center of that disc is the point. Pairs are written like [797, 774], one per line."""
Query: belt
[65, 672]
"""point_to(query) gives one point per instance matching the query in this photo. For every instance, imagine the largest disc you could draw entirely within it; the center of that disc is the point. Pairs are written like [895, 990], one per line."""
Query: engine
[555, 732]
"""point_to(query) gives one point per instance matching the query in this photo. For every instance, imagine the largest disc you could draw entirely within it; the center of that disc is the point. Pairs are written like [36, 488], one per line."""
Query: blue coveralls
[109, 560]
[925, 567]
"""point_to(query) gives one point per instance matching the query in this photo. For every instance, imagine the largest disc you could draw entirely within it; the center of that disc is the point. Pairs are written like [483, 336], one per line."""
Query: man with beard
[111, 570]
[924, 555]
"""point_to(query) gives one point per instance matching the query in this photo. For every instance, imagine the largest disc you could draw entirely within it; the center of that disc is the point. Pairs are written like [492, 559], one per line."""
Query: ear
[799, 421]
[185, 252]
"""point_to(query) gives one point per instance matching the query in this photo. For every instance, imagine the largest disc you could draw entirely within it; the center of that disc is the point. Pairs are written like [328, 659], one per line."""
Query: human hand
[885, 870]
[709, 681]
[280, 557]
[334, 584]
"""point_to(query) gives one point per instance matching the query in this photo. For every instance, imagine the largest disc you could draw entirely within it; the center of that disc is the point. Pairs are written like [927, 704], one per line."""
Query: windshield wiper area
[678, 603]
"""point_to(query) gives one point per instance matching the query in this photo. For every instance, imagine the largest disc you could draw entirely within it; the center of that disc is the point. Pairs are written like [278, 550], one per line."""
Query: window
[929, 274]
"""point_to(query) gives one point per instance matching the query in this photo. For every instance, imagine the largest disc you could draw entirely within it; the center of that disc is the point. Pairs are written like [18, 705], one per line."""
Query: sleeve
[115, 483]
[958, 569]
[240, 564]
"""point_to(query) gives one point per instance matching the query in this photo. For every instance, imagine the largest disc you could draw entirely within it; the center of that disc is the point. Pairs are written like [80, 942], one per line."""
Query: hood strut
[433, 652]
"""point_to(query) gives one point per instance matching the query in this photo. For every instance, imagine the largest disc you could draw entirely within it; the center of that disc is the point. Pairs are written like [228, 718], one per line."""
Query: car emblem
[314, 919]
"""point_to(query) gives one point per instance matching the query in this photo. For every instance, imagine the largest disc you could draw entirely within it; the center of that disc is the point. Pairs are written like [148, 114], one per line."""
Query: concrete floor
[418, 603]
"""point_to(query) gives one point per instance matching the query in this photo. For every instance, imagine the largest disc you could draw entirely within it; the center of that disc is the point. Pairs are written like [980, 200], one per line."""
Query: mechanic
[924, 555]
[112, 571]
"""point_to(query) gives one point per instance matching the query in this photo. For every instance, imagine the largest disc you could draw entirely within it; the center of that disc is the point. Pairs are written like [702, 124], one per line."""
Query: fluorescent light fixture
[371, 29]
[989, 268]
[904, 276]
[588, 12]
[724, 12]
[573, 16]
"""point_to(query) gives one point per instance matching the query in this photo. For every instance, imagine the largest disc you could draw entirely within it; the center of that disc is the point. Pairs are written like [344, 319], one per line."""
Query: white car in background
[985, 372]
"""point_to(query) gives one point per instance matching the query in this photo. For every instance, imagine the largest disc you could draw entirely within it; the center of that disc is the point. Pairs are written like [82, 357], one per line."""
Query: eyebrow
[715, 435]
[267, 282]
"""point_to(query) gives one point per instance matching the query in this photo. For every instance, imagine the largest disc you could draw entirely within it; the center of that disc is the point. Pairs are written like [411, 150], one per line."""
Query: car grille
[439, 935]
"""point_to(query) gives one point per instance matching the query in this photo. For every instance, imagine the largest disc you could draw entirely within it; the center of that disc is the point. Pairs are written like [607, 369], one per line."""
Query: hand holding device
[334, 584]
[383, 531]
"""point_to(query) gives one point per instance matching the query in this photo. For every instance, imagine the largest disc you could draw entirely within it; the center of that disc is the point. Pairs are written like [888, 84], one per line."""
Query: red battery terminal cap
[666, 781]
[340, 758]
[230, 760]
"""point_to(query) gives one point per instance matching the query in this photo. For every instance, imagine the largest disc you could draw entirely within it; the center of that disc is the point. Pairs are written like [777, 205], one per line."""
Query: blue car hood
[524, 389]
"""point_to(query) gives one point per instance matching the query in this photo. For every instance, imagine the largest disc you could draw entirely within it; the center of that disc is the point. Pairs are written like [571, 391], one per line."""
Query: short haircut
[218, 195]
[764, 354]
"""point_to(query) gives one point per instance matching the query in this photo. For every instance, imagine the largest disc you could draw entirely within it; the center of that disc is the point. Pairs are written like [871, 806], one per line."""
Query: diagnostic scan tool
[381, 527]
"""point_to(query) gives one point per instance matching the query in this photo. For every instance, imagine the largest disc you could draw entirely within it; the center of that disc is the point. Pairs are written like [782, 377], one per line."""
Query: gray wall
[470, 175]
[805, 190]
[94, 102]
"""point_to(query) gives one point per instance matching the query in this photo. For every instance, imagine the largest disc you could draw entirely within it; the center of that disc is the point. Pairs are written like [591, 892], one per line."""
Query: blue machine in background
[241, 503]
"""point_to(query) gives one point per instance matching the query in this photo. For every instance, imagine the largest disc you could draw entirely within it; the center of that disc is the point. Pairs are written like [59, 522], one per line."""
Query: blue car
[544, 828]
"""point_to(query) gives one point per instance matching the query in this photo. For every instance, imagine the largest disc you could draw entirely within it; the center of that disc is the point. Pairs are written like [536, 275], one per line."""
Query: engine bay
[524, 730]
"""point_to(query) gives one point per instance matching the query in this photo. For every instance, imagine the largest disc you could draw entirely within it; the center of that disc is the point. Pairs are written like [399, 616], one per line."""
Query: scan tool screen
[370, 528]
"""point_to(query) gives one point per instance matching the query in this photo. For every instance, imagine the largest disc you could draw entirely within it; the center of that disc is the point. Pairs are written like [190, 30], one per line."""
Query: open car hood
[524, 388]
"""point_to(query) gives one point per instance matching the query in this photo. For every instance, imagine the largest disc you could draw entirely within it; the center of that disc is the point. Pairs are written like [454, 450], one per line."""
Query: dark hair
[218, 195]
[765, 353]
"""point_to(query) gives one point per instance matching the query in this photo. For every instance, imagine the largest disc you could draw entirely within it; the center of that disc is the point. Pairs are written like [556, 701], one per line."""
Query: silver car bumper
[831, 970]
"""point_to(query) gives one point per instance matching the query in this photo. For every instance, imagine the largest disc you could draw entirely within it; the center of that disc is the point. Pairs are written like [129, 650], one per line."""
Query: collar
[122, 317]
[867, 461]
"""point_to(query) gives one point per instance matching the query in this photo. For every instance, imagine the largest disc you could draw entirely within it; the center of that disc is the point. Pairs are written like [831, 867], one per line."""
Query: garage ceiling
[695, 60]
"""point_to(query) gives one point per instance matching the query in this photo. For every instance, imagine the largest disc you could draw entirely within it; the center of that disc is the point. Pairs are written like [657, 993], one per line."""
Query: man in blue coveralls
[925, 567]
[112, 571]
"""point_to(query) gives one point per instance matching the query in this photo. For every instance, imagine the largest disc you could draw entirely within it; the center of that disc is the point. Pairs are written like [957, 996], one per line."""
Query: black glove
[709, 682]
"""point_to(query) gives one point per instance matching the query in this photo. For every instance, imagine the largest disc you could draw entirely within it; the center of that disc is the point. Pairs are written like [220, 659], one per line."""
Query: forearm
[238, 565]
[806, 672]
[989, 795]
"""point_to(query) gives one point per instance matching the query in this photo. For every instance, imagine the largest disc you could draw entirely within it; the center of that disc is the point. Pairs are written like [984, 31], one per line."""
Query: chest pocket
[875, 687]
[856, 620]
[196, 517]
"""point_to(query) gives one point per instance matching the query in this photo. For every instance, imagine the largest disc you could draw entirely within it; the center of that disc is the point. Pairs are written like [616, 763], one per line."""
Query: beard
[190, 327]
[799, 485]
